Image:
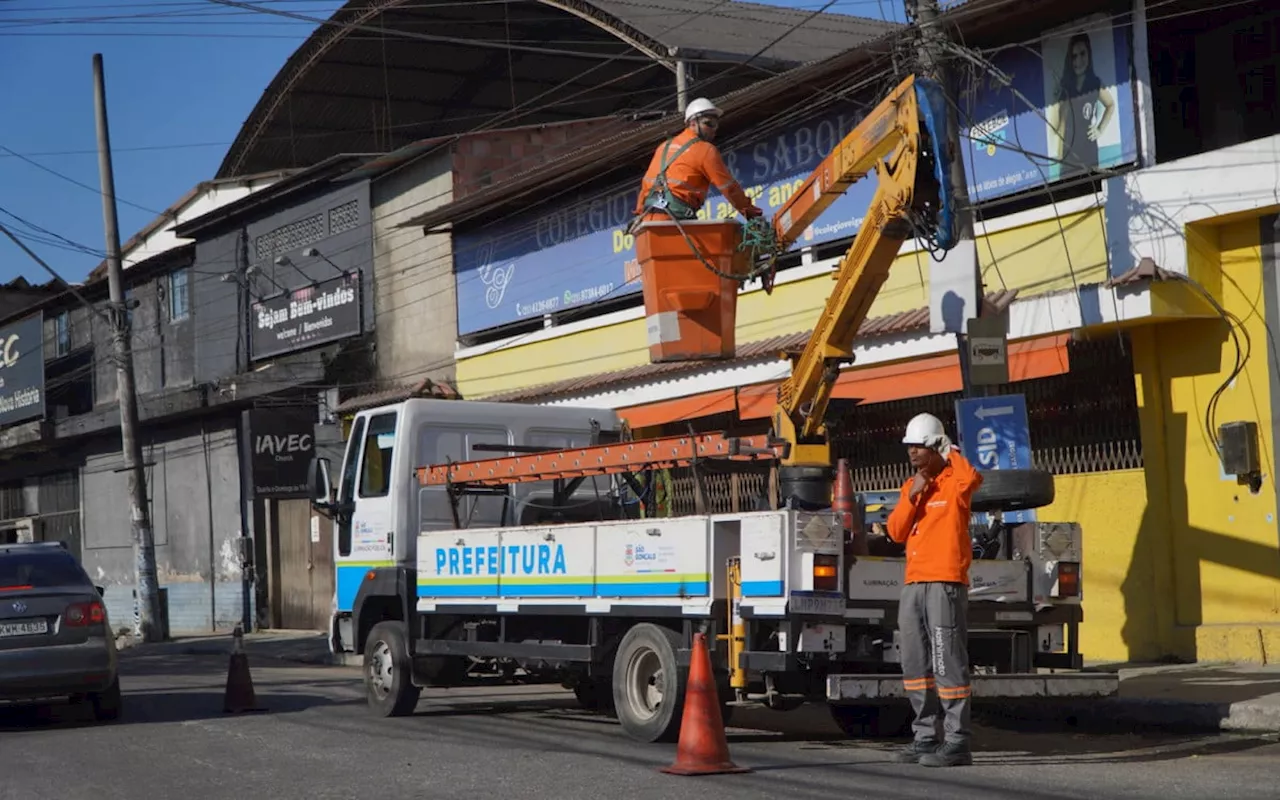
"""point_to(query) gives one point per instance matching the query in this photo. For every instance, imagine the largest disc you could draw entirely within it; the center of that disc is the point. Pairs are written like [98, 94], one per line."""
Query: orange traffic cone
[239, 696]
[703, 748]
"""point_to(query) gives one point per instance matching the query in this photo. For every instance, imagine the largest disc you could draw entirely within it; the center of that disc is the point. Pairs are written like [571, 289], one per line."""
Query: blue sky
[182, 75]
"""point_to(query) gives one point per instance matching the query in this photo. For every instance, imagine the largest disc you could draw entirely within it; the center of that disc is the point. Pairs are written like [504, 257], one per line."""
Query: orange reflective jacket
[691, 174]
[935, 525]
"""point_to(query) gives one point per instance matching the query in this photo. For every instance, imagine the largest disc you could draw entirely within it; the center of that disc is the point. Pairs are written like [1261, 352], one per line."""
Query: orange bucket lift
[691, 311]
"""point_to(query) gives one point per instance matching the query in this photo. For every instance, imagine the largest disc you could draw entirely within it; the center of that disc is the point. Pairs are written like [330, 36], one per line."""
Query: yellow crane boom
[896, 141]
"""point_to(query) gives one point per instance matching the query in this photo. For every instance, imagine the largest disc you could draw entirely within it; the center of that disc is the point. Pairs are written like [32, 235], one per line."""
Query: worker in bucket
[684, 168]
[932, 520]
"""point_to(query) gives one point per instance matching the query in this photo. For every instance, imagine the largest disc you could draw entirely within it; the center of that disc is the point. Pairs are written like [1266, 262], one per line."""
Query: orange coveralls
[690, 174]
[933, 613]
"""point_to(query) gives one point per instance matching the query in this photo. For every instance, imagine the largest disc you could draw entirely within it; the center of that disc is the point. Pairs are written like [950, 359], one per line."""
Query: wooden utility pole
[144, 548]
[931, 51]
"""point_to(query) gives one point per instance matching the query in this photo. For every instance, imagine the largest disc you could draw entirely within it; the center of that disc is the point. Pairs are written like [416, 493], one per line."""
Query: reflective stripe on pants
[933, 623]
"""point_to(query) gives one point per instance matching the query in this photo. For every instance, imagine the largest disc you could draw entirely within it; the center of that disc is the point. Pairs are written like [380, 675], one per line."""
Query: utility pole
[682, 78]
[932, 54]
[144, 548]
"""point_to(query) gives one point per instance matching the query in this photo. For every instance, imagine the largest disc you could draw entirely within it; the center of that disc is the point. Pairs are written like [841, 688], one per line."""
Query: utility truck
[480, 537]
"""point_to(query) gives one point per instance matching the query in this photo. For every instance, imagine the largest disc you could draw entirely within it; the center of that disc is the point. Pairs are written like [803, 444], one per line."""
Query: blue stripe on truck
[647, 589]
[762, 588]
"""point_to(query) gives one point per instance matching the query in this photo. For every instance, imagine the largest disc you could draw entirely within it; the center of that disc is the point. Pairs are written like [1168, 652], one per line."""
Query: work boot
[913, 752]
[951, 754]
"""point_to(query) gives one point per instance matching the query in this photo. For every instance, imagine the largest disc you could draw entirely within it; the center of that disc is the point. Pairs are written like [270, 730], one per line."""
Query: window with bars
[1083, 421]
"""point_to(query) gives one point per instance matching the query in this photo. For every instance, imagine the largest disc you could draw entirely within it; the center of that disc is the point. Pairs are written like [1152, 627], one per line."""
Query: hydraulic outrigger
[914, 197]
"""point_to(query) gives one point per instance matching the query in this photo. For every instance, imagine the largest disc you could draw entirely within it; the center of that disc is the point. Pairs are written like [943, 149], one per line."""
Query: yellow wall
[1035, 258]
[1118, 585]
[1211, 542]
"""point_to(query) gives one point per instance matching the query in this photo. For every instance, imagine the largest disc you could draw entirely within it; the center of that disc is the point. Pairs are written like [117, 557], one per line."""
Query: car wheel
[108, 703]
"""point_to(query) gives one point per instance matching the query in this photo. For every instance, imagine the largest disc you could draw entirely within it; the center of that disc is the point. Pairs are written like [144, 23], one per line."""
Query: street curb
[253, 649]
[1244, 716]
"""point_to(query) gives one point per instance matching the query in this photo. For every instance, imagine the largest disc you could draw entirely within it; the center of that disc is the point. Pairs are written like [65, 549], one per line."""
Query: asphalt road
[316, 740]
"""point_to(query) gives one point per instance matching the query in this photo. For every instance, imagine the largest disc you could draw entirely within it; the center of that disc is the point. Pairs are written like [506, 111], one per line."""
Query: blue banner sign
[556, 258]
[994, 434]
[563, 255]
[1068, 109]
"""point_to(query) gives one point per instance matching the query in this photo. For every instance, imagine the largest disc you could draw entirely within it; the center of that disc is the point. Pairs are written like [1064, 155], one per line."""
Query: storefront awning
[1032, 358]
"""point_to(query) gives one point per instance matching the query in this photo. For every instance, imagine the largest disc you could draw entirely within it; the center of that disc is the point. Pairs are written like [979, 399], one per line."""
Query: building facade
[1134, 268]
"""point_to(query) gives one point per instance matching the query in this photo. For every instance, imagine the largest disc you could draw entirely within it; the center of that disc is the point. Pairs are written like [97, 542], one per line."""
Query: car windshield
[38, 570]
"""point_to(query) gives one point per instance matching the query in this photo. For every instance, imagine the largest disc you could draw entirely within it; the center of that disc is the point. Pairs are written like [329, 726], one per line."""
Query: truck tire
[388, 680]
[648, 685]
[1014, 490]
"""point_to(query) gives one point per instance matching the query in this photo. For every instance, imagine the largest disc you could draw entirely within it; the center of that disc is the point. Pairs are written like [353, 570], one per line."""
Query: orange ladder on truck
[568, 468]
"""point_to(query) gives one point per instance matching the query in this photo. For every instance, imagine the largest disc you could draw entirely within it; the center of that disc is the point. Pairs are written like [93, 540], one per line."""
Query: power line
[71, 180]
[588, 309]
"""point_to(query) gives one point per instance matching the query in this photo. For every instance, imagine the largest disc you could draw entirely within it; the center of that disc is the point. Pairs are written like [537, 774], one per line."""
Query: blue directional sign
[994, 434]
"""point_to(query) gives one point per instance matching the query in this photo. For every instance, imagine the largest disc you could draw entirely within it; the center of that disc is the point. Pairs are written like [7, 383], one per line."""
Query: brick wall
[487, 158]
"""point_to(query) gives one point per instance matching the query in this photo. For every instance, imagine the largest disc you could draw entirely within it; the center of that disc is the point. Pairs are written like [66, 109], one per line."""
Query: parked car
[55, 638]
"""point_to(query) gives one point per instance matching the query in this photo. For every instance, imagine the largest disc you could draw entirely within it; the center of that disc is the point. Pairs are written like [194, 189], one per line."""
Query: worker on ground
[684, 168]
[932, 520]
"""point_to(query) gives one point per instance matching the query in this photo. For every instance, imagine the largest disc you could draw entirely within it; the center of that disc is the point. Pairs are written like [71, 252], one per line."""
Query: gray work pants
[933, 621]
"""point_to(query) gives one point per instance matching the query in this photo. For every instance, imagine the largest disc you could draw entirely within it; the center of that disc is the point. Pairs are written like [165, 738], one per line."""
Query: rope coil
[757, 236]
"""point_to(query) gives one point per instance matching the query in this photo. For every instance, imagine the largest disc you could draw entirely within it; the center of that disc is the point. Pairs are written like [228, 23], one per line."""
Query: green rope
[758, 237]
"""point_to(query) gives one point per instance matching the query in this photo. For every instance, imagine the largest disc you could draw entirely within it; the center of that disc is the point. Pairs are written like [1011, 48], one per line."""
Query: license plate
[27, 627]
[830, 605]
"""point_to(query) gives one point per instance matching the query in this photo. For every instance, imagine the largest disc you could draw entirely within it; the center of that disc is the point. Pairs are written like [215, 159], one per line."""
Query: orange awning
[680, 408]
[1032, 358]
[1028, 359]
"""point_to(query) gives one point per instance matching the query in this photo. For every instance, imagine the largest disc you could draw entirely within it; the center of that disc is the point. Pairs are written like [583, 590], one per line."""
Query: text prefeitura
[269, 318]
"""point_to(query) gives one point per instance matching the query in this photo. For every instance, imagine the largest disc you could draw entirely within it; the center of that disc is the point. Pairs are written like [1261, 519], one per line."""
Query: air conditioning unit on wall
[19, 531]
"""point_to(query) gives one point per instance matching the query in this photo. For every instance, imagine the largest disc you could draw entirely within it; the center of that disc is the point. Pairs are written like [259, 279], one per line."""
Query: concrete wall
[194, 488]
[484, 159]
[415, 301]
[216, 321]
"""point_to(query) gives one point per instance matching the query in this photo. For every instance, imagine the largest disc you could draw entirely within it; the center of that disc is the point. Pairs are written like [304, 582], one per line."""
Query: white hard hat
[924, 430]
[698, 107]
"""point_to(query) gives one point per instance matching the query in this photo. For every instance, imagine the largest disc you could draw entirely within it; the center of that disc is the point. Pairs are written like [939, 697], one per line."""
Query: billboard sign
[284, 442]
[556, 258]
[22, 370]
[995, 434]
[314, 314]
[1068, 109]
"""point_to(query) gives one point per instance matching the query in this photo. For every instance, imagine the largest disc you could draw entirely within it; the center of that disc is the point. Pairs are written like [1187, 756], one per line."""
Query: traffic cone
[703, 748]
[239, 697]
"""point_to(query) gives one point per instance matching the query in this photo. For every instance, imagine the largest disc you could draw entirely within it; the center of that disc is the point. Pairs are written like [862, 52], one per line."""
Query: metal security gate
[58, 499]
[302, 581]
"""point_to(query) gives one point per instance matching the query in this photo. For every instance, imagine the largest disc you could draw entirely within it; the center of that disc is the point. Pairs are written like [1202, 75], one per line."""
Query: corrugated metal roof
[916, 319]
[743, 108]
[450, 67]
[734, 29]
[426, 387]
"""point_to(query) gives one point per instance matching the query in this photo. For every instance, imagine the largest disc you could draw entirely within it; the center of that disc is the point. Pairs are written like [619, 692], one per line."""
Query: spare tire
[1014, 490]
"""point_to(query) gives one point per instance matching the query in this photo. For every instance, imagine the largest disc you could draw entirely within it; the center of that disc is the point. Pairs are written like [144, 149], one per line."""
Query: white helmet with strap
[925, 430]
[699, 107]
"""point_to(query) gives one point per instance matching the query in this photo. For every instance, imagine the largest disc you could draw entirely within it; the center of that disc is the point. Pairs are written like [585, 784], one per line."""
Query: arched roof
[380, 74]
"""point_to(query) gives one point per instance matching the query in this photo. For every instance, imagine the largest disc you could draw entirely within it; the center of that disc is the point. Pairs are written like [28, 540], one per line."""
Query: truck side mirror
[321, 486]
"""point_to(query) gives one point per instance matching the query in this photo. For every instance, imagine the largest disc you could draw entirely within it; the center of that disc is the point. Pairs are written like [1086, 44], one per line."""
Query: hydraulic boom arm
[896, 141]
